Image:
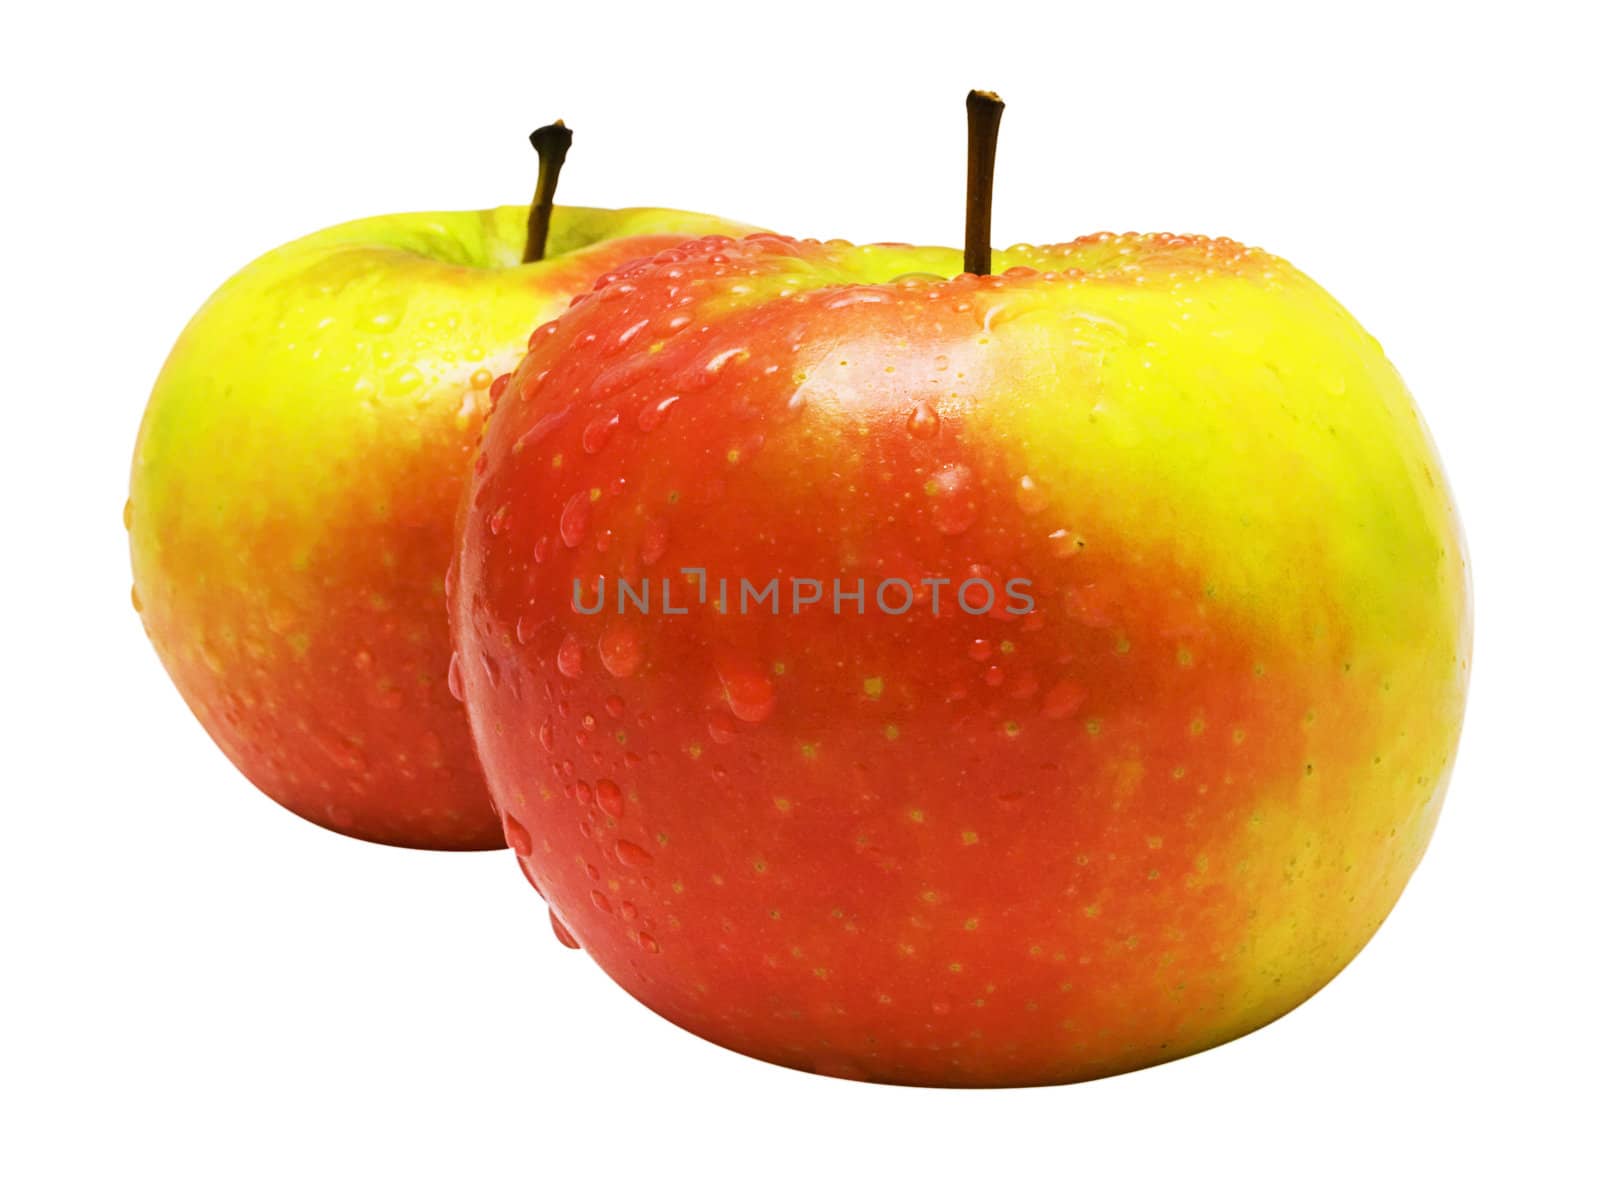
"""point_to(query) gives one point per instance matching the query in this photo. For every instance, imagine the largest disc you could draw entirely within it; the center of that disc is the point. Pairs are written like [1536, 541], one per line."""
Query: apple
[963, 679]
[294, 489]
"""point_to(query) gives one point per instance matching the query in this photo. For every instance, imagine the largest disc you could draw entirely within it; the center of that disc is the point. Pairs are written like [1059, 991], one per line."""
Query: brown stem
[551, 143]
[983, 135]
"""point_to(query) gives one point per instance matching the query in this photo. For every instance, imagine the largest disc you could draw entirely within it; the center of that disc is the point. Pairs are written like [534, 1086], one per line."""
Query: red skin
[747, 851]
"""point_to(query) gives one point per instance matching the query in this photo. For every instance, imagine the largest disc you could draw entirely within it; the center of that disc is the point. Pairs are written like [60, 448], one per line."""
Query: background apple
[293, 493]
[1154, 813]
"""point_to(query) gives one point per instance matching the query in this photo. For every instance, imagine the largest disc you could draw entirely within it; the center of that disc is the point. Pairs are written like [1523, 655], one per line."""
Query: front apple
[968, 681]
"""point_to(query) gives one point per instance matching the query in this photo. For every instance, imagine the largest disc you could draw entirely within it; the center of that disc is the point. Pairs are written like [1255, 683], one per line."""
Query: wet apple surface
[294, 490]
[971, 843]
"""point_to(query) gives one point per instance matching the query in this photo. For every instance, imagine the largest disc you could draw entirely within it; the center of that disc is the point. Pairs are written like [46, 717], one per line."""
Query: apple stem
[551, 143]
[983, 135]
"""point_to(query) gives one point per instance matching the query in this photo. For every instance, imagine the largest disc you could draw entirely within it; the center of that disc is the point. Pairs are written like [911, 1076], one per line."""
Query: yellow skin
[1156, 813]
[294, 489]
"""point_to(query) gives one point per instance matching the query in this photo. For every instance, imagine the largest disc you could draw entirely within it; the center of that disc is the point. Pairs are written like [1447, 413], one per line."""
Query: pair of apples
[615, 595]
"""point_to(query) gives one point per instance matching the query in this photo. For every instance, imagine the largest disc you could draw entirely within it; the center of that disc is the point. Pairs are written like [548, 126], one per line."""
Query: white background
[197, 985]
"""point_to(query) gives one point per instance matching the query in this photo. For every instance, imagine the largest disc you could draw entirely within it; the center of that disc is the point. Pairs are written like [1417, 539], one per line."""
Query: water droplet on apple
[859, 295]
[402, 383]
[383, 317]
[619, 651]
[749, 691]
[923, 421]
[1066, 543]
[628, 334]
[453, 678]
[699, 377]
[631, 854]
[655, 414]
[996, 313]
[609, 797]
[647, 942]
[540, 430]
[529, 387]
[599, 431]
[569, 658]
[562, 933]
[1031, 498]
[517, 837]
[575, 518]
